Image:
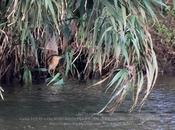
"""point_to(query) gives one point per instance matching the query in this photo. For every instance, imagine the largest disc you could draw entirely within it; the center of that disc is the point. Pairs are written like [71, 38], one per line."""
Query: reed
[110, 35]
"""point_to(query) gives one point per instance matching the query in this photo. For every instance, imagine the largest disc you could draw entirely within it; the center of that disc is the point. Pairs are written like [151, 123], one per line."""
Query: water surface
[73, 107]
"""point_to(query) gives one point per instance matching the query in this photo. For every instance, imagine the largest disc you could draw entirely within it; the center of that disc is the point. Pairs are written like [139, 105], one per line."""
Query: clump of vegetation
[164, 39]
[165, 26]
[94, 36]
[167, 34]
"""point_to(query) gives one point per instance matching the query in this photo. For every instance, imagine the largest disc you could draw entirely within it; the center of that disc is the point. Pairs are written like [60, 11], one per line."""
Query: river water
[73, 107]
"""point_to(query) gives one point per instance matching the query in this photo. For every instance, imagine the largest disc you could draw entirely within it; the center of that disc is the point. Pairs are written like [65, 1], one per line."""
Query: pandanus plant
[113, 34]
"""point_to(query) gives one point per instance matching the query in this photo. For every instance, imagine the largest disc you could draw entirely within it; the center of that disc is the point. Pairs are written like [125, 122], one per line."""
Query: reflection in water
[73, 107]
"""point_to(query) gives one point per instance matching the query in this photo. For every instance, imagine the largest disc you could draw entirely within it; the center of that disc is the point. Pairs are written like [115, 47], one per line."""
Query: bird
[53, 61]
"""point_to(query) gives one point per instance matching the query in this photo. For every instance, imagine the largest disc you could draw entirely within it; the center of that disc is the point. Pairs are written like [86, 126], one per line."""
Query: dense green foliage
[112, 35]
[164, 40]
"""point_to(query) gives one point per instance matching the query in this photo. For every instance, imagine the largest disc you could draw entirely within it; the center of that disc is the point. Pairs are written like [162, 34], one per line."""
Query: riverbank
[163, 35]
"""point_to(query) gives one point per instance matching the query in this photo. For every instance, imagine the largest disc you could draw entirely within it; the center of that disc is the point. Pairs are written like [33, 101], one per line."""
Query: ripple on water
[73, 107]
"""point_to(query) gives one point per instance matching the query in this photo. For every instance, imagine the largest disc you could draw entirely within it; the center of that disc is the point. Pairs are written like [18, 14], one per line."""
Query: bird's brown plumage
[53, 62]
